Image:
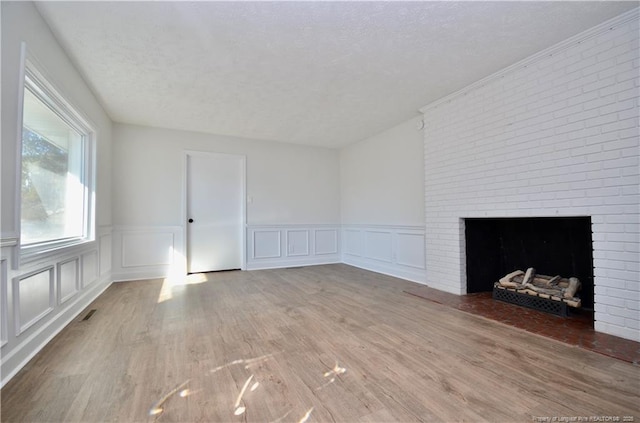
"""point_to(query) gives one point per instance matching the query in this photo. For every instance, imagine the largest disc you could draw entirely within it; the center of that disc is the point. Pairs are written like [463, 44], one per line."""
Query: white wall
[289, 186]
[382, 178]
[554, 135]
[382, 202]
[40, 297]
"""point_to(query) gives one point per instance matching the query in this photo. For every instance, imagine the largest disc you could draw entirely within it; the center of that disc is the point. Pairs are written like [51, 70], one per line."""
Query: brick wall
[553, 135]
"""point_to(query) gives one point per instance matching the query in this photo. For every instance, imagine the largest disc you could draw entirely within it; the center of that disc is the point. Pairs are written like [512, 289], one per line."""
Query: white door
[215, 193]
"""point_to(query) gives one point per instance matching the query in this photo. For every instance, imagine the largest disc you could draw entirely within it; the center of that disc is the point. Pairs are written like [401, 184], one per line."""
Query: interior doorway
[215, 211]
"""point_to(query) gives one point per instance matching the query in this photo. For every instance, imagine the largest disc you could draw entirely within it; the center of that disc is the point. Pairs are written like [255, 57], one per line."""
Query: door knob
[190, 220]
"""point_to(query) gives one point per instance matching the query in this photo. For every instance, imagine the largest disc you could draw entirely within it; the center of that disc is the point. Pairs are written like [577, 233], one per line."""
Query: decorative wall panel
[4, 314]
[378, 245]
[304, 245]
[266, 244]
[147, 248]
[89, 268]
[33, 297]
[326, 241]
[297, 242]
[393, 250]
[68, 279]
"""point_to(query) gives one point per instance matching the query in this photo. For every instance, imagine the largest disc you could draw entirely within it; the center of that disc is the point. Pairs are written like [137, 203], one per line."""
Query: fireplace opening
[552, 245]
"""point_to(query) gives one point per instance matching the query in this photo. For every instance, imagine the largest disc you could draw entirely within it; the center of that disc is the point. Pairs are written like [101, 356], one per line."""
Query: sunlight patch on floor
[240, 407]
[168, 284]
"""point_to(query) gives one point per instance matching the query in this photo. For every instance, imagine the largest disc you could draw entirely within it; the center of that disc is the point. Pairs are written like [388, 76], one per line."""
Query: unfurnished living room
[317, 211]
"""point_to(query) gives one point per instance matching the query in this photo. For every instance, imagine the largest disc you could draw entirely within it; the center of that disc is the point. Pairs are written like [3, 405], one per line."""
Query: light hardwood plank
[322, 343]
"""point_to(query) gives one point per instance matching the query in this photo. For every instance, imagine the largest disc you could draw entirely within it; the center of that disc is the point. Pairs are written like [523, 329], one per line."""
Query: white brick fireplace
[553, 135]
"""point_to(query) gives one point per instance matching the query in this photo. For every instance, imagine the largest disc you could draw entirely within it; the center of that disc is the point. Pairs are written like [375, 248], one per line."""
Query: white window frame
[34, 78]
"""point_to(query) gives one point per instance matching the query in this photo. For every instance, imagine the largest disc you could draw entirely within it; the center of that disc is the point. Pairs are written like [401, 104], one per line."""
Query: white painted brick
[601, 85]
[621, 218]
[617, 71]
[633, 247]
[622, 181]
[608, 245]
[622, 144]
[601, 120]
[630, 74]
[616, 302]
[600, 308]
[596, 49]
[597, 101]
[611, 319]
[625, 237]
[619, 36]
[633, 286]
[604, 192]
[613, 227]
[629, 56]
[628, 94]
[623, 312]
[615, 209]
[585, 115]
[599, 67]
[614, 52]
[617, 106]
[608, 89]
[619, 162]
[603, 156]
[582, 98]
[628, 114]
[632, 228]
[632, 266]
[623, 200]
[632, 322]
[632, 305]
[558, 137]
[623, 332]
[601, 138]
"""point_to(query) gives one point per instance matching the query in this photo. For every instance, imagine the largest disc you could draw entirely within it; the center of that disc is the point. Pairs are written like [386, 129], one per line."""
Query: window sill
[46, 252]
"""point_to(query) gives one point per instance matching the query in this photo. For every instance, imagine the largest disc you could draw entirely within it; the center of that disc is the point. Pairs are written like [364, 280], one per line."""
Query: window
[56, 169]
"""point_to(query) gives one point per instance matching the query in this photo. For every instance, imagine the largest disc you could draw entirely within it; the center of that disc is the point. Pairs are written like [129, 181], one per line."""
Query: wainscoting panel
[267, 244]
[68, 279]
[4, 314]
[147, 249]
[326, 241]
[410, 249]
[33, 297]
[89, 268]
[40, 297]
[378, 245]
[303, 245]
[297, 242]
[392, 250]
[353, 242]
[105, 253]
[147, 252]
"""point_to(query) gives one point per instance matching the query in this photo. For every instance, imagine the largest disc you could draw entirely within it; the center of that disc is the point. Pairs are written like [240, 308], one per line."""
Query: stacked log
[555, 288]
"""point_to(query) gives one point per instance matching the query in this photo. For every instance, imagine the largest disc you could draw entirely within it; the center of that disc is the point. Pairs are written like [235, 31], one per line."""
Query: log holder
[558, 308]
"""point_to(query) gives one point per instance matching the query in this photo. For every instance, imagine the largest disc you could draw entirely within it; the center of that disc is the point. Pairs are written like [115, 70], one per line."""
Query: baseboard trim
[140, 275]
[397, 271]
[280, 264]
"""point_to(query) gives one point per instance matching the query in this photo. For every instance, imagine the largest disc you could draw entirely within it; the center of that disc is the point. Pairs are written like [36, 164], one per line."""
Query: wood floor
[316, 344]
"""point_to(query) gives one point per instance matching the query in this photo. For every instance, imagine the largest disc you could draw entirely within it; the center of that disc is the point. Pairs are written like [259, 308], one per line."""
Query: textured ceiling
[319, 73]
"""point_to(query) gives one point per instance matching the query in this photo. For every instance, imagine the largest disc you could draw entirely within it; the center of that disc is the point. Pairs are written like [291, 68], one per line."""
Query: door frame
[243, 204]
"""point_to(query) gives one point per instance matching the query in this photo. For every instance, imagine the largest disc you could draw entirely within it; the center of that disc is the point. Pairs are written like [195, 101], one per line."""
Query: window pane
[53, 194]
